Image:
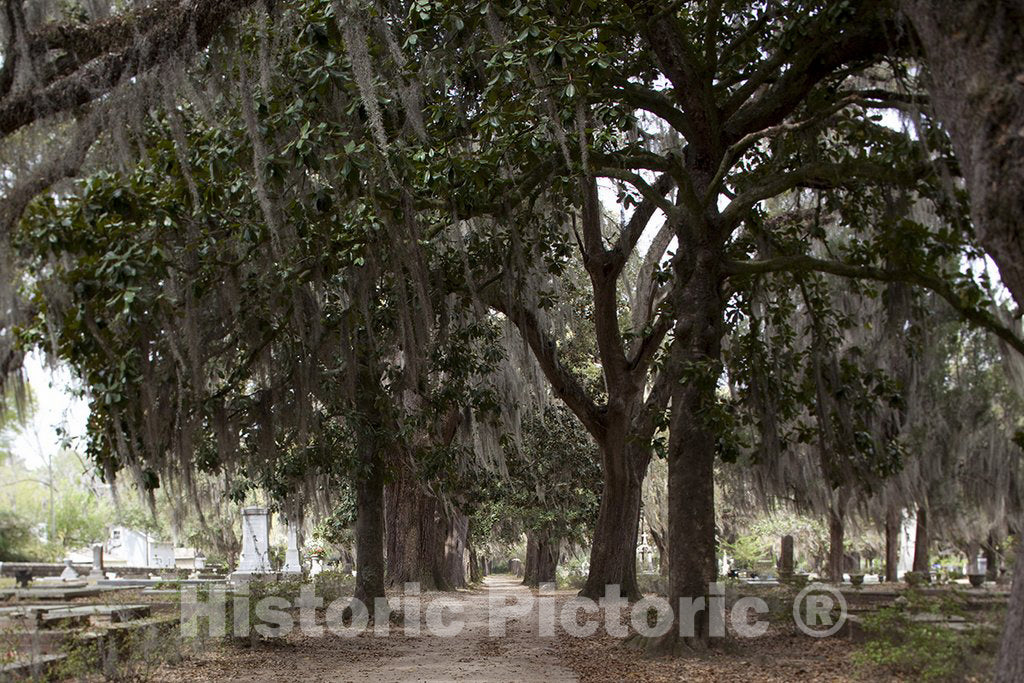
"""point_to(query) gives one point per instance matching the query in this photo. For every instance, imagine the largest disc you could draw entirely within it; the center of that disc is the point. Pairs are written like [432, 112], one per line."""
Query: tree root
[669, 645]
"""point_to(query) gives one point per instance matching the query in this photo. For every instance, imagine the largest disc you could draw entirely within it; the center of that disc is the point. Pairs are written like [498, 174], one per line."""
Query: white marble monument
[96, 573]
[255, 557]
[292, 563]
[69, 573]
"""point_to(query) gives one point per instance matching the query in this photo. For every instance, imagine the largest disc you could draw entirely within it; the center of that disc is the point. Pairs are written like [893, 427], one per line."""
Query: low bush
[909, 647]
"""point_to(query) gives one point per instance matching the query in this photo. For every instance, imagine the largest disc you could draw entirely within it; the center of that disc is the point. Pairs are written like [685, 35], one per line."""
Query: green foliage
[332, 584]
[747, 551]
[905, 646]
[122, 656]
[552, 486]
[16, 538]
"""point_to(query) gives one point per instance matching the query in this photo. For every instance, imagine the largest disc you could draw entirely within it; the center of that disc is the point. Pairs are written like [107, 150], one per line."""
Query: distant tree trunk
[455, 549]
[971, 550]
[475, 564]
[991, 558]
[417, 531]
[922, 563]
[836, 540]
[530, 561]
[892, 543]
[659, 543]
[547, 560]
[541, 559]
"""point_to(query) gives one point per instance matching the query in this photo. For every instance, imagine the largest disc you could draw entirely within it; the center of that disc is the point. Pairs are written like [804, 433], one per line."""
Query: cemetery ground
[946, 632]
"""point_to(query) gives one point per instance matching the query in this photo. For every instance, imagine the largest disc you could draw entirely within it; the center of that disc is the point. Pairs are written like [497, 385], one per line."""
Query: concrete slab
[34, 668]
[102, 613]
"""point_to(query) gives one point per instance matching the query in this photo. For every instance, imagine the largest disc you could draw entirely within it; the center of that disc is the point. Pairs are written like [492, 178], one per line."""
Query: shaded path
[519, 655]
[472, 655]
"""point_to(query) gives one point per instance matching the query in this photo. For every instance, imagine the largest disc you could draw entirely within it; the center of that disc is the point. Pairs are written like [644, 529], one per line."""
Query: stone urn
[857, 579]
[977, 580]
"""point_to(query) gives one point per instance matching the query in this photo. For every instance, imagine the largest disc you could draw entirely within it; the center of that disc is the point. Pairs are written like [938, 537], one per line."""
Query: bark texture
[974, 50]
[369, 529]
[892, 544]
[613, 553]
[836, 539]
[696, 352]
[417, 531]
[1010, 665]
[541, 559]
[921, 561]
[95, 58]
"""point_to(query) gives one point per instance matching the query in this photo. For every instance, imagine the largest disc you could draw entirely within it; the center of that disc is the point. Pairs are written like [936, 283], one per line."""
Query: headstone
[786, 564]
[908, 539]
[162, 555]
[316, 565]
[97, 562]
[199, 562]
[255, 558]
[69, 573]
[292, 564]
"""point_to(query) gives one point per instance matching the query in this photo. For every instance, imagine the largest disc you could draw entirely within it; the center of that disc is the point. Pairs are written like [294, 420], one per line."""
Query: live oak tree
[973, 54]
[550, 492]
[761, 101]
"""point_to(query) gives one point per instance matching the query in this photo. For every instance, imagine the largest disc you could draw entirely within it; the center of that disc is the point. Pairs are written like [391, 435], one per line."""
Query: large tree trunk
[696, 354]
[974, 50]
[892, 544]
[475, 564]
[530, 562]
[416, 535]
[613, 553]
[1010, 665]
[659, 543]
[369, 529]
[836, 539]
[922, 562]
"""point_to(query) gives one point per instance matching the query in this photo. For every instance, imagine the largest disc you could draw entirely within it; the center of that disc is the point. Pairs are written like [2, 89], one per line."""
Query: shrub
[571, 577]
[653, 583]
[921, 650]
[332, 584]
[15, 537]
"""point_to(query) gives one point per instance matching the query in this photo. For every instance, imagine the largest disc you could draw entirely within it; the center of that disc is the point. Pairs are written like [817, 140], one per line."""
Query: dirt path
[472, 655]
[521, 654]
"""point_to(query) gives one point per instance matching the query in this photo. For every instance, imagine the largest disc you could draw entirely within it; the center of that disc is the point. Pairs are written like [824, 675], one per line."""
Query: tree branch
[107, 53]
[564, 382]
[816, 175]
[861, 37]
[938, 285]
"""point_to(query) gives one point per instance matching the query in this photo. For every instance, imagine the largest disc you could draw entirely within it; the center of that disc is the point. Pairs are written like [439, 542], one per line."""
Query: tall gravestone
[786, 563]
[96, 573]
[292, 563]
[255, 557]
